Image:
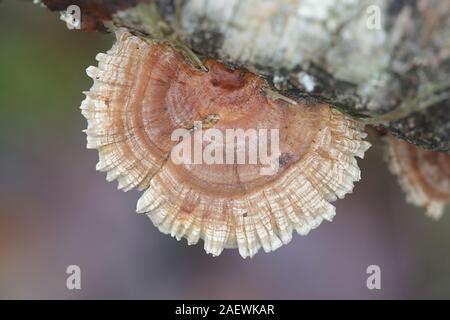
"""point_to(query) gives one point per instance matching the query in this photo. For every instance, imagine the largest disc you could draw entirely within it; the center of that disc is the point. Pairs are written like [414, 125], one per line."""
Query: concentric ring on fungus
[144, 90]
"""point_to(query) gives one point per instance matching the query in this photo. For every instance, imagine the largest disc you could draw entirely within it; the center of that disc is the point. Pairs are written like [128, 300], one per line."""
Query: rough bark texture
[397, 74]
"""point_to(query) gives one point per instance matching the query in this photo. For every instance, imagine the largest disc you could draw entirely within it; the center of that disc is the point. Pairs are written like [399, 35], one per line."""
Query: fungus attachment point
[148, 101]
[424, 175]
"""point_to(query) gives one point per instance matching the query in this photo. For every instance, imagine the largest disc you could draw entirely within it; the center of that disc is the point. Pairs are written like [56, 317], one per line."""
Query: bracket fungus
[144, 90]
[424, 175]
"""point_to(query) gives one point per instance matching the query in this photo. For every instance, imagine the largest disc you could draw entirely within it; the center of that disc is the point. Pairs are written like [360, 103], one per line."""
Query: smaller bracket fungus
[145, 91]
[424, 175]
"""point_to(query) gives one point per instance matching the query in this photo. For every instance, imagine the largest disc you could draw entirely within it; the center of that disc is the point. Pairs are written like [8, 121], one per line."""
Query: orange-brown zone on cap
[429, 169]
[169, 93]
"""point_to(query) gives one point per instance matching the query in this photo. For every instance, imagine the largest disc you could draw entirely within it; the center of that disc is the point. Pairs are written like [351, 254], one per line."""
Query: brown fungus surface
[424, 175]
[143, 91]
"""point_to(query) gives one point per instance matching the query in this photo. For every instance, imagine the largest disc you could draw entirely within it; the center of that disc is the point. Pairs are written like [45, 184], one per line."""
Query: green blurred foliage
[42, 66]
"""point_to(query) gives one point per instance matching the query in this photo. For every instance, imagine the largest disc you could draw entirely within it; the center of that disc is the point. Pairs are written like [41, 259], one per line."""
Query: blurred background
[56, 210]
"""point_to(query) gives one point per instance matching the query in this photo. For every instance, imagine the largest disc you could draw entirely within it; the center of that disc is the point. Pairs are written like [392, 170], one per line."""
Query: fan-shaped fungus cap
[424, 175]
[143, 91]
